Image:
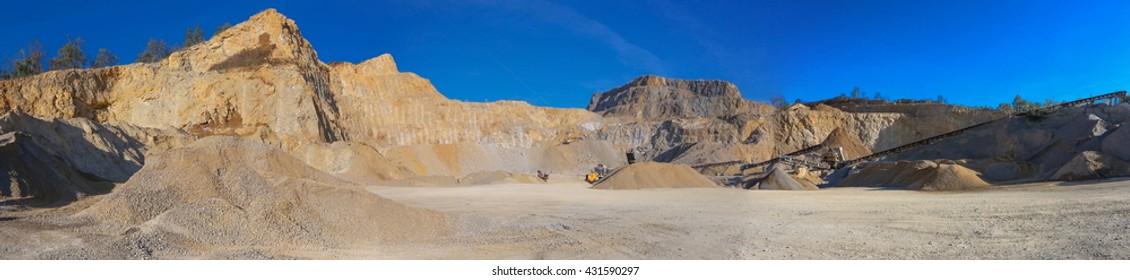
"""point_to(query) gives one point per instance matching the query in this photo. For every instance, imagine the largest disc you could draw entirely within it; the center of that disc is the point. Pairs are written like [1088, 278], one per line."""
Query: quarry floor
[568, 220]
[1057, 220]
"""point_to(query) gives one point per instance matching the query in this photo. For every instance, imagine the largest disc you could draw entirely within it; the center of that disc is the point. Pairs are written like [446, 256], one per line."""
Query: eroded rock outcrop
[673, 120]
[260, 79]
[263, 81]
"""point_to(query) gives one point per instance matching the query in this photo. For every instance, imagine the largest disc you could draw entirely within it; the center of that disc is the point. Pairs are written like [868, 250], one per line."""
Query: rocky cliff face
[651, 97]
[662, 117]
[262, 80]
[675, 120]
[259, 79]
[390, 108]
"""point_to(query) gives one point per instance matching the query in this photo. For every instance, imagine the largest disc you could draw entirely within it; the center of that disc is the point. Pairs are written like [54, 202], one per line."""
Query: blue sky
[558, 53]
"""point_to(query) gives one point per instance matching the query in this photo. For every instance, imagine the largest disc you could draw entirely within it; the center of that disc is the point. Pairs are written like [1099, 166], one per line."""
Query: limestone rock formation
[260, 79]
[389, 108]
[673, 120]
[654, 97]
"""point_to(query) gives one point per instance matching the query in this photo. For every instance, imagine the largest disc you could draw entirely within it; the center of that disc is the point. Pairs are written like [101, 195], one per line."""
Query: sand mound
[916, 175]
[223, 191]
[352, 161]
[853, 148]
[32, 174]
[777, 179]
[646, 175]
[52, 162]
[1091, 165]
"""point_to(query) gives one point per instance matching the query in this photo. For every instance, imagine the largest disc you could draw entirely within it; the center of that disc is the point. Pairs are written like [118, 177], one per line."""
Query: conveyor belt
[1038, 111]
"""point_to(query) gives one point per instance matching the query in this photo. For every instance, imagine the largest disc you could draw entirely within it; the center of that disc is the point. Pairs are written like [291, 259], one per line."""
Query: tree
[104, 58]
[855, 93]
[30, 61]
[1022, 105]
[1005, 107]
[221, 28]
[155, 50]
[941, 99]
[779, 101]
[193, 36]
[70, 56]
[1049, 102]
[879, 96]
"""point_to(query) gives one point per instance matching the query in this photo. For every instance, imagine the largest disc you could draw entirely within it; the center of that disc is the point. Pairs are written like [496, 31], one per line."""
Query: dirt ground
[570, 221]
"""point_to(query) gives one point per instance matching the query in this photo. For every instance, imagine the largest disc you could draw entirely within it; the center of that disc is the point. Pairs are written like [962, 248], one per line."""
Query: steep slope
[659, 117]
[668, 119]
[54, 162]
[259, 79]
[654, 97]
[777, 179]
[262, 80]
[223, 193]
[852, 148]
[390, 108]
[1075, 143]
[385, 107]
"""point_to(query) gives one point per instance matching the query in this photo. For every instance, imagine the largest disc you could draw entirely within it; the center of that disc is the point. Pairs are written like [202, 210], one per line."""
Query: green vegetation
[1019, 104]
[30, 60]
[28, 63]
[70, 56]
[103, 59]
[155, 50]
[193, 36]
